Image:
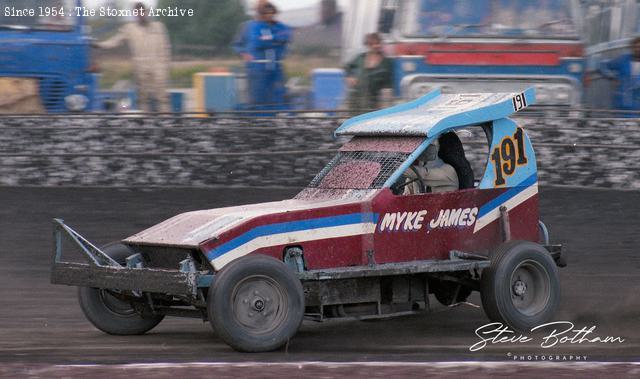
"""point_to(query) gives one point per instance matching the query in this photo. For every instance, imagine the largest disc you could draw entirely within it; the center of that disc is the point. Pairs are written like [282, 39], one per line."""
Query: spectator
[262, 44]
[240, 44]
[625, 72]
[368, 74]
[149, 44]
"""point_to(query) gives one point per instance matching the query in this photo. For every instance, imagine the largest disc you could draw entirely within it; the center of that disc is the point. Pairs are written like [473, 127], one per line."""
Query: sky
[283, 4]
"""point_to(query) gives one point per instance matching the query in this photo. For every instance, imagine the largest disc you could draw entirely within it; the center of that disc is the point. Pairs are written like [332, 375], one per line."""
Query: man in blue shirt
[625, 71]
[263, 45]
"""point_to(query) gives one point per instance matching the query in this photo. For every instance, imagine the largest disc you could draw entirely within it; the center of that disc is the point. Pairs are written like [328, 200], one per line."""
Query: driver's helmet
[430, 154]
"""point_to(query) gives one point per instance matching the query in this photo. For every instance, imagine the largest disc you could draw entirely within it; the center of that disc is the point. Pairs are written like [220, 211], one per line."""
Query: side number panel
[511, 156]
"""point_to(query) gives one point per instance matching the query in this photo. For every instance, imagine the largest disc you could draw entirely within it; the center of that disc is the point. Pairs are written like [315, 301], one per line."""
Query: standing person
[263, 46]
[151, 50]
[240, 43]
[625, 72]
[368, 74]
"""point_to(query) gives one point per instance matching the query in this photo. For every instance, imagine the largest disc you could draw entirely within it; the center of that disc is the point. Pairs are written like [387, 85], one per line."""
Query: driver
[436, 175]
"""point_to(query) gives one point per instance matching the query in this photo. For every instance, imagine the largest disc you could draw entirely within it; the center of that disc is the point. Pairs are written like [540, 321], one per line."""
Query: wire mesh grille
[389, 162]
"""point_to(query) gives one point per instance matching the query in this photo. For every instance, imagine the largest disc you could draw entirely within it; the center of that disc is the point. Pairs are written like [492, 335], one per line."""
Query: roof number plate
[519, 102]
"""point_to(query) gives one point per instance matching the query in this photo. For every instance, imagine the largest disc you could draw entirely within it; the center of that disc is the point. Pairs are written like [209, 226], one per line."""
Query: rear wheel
[110, 312]
[521, 287]
[256, 304]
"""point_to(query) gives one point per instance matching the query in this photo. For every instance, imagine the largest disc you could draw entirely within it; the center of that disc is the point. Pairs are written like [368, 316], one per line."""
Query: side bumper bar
[391, 269]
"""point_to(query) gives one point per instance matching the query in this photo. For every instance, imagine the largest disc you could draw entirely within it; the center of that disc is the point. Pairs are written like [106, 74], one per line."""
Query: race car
[355, 243]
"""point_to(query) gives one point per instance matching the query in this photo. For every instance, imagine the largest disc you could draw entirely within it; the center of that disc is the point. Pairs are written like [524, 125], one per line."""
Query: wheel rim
[115, 305]
[259, 304]
[530, 287]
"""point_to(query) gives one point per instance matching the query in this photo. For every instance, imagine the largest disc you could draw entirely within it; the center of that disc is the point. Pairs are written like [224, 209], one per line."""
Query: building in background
[324, 35]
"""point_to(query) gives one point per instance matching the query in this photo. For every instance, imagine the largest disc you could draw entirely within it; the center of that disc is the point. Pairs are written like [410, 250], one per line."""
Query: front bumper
[103, 272]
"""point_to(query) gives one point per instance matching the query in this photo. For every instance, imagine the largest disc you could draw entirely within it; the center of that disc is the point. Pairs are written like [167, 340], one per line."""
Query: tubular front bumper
[104, 272]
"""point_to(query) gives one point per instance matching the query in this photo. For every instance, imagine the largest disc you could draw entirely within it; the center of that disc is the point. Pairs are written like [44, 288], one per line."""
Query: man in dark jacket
[368, 74]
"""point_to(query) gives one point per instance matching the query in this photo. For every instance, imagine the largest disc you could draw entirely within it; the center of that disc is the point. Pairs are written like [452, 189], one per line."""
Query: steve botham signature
[562, 332]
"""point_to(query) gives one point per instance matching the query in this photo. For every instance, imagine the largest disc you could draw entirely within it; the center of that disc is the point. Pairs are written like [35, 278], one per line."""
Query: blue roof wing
[435, 113]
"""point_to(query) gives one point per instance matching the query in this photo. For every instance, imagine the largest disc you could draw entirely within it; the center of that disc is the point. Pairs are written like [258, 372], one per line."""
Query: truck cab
[45, 49]
[476, 46]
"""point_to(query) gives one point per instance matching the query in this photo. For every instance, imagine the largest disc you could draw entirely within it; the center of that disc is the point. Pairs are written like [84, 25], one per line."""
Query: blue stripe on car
[292, 226]
[506, 196]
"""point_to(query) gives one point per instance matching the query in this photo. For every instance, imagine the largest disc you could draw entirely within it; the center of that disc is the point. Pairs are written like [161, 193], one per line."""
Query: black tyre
[256, 304]
[521, 287]
[107, 312]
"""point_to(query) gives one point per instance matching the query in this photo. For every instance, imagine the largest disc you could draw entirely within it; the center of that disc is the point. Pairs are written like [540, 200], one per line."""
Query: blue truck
[45, 42]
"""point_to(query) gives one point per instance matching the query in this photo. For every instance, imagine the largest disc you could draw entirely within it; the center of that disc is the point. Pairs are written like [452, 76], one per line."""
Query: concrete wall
[269, 152]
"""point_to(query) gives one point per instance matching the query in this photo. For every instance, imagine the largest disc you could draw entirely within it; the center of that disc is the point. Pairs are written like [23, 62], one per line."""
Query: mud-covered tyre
[521, 287]
[256, 304]
[108, 313]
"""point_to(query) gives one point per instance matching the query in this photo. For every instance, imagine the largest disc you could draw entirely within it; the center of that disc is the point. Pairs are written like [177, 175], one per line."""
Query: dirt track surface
[450, 370]
[42, 325]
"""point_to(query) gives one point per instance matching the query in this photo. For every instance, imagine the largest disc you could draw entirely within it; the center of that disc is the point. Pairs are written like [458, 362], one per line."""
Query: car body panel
[435, 113]
[429, 226]
[190, 229]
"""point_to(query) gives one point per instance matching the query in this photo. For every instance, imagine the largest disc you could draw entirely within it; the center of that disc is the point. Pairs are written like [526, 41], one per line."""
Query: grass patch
[116, 69]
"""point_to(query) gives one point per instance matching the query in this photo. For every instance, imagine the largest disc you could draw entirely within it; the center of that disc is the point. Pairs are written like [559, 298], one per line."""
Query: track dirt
[41, 324]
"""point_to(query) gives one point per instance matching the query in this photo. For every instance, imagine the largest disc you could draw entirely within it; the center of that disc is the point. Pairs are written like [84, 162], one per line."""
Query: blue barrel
[177, 98]
[328, 88]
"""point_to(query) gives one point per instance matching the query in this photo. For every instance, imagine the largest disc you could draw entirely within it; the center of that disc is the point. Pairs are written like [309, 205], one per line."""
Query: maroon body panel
[430, 239]
[423, 236]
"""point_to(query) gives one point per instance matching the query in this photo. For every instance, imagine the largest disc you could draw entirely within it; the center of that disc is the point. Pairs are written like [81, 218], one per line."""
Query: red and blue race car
[398, 214]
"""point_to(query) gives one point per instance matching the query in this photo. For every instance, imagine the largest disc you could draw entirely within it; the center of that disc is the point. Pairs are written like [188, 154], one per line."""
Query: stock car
[352, 244]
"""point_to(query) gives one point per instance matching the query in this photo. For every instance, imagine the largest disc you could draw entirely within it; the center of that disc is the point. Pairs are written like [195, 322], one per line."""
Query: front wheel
[108, 311]
[521, 287]
[256, 304]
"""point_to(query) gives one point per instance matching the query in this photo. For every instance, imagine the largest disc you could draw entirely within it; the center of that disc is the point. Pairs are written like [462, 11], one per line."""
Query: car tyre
[110, 314]
[521, 287]
[256, 304]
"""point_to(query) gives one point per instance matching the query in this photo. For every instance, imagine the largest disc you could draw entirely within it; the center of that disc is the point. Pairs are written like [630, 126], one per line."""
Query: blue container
[177, 98]
[328, 88]
[215, 92]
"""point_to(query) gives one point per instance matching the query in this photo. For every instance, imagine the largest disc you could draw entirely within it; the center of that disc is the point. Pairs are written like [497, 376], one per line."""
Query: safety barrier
[240, 150]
